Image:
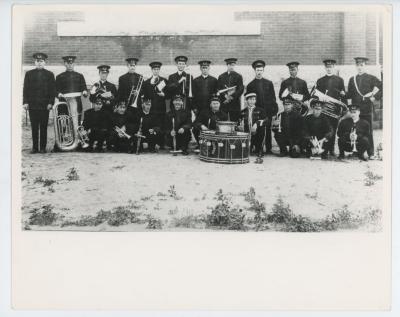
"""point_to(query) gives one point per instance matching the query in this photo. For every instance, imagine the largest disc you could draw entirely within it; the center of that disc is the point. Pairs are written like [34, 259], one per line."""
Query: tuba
[68, 133]
[332, 107]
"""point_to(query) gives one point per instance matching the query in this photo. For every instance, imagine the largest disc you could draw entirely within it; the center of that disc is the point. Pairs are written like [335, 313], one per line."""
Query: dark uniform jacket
[346, 125]
[295, 85]
[71, 81]
[332, 86]
[366, 84]
[265, 91]
[149, 91]
[203, 88]
[257, 114]
[39, 89]
[125, 83]
[96, 120]
[150, 121]
[182, 120]
[127, 119]
[209, 119]
[106, 86]
[317, 126]
[226, 80]
[174, 87]
[292, 126]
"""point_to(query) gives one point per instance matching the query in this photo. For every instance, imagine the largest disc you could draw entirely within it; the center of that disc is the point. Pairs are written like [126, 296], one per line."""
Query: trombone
[135, 92]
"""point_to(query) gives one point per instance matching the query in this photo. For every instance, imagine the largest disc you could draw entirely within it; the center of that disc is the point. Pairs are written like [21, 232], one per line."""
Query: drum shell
[234, 149]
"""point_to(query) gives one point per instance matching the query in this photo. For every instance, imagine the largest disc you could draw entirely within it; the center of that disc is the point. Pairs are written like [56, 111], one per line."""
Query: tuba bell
[68, 133]
[332, 107]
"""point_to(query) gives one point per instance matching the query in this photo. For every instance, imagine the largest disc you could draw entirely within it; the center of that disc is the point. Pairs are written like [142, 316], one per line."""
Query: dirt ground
[167, 187]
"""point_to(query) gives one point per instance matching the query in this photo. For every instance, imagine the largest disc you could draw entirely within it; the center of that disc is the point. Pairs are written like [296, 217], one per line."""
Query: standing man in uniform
[103, 88]
[294, 87]
[333, 86]
[128, 81]
[204, 87]
[71, 81]
[265, 98]
[179, 83]
[363, 90]
[231, 99]
[153, 89]
[38, 97]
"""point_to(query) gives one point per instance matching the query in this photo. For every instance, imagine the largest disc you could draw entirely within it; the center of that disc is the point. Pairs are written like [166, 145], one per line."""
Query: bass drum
[224, 149]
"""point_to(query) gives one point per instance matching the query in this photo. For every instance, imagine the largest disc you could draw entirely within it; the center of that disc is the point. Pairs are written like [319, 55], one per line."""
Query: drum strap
[358, 90]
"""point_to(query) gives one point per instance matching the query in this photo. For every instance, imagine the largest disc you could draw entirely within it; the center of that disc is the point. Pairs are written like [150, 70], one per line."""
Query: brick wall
[307, 36]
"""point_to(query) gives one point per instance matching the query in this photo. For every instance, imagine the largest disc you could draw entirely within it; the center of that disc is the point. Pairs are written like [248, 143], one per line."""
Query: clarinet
[139, 136]
[174, 137]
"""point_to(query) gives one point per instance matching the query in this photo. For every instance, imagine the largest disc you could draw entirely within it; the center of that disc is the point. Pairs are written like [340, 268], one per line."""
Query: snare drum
[225, 149]
[226, 127]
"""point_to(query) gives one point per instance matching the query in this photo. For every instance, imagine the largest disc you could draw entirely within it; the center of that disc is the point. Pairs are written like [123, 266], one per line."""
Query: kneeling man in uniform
[178, 124]
[354, 134]
[290, 133]
[317, 132]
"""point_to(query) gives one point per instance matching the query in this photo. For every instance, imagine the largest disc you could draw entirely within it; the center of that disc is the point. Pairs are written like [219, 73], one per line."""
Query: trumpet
[122, 132]
[227, 89]
[135, 93]
[353, 139]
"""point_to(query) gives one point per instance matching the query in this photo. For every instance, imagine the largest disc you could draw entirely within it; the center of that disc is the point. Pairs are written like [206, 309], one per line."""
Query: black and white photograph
[262, 121]
[193, 156]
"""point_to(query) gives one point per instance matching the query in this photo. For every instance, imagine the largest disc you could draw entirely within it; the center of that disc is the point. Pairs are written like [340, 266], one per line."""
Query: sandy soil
[107, 180]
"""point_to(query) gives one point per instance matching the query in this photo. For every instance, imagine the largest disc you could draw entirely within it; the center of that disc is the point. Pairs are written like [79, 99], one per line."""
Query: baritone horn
[332, 107]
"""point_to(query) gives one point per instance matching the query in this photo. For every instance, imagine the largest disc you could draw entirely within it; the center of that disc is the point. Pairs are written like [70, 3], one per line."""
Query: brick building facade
[284, 36]
[308, 37]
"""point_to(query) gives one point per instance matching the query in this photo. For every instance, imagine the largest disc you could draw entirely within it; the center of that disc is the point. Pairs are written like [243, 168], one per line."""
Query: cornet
[122, 132]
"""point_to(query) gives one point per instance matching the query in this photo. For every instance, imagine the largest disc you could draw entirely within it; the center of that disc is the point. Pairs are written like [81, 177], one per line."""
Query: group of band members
[136, 111]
